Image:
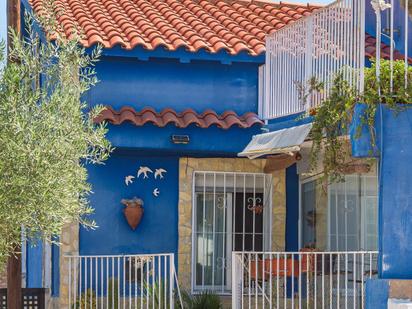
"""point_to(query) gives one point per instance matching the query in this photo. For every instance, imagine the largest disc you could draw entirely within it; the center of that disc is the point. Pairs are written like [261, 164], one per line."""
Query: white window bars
[315, 46]
[231, 211]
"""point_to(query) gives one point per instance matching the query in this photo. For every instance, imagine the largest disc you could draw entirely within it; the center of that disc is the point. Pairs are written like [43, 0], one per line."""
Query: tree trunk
[14, 292]
[13, 17]
[14, 297]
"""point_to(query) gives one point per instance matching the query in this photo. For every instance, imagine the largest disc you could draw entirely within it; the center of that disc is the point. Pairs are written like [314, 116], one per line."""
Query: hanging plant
[332, 119]
[330, 122]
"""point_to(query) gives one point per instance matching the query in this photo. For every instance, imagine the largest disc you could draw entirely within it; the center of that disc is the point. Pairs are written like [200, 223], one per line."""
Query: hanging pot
[355, 168]
[133, 211]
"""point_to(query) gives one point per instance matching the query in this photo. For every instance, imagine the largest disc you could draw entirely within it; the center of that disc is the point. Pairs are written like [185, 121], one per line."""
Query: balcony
[317, 46]
[329, 41]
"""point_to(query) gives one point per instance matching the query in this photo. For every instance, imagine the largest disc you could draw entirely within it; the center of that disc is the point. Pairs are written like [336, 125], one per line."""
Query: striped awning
[277, 142]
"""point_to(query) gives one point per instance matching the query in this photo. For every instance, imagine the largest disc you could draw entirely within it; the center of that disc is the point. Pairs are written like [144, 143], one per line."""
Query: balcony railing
[315, 46]
[121, 281]
[301, 279]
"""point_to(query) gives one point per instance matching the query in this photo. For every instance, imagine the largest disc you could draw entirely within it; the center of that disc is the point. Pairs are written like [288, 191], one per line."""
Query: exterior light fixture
[180, 139]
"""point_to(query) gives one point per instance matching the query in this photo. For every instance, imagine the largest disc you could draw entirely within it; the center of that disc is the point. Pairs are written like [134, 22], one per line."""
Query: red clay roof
[213, 25]
[181, 120]
[370, 50]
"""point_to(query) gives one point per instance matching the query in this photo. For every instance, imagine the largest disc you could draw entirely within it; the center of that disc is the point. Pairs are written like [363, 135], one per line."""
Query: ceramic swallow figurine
[159, 173]
[128, 179]
[144, 170]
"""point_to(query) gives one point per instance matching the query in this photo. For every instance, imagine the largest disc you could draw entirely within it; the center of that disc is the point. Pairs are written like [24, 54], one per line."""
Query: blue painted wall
[395, 201]
[376, 294]
[160, 83]
[394, 142]
[157, 231]
[212, 141]
[165, 83]
[34, 265]
[292, 209]
[55, 275]
[399, 25]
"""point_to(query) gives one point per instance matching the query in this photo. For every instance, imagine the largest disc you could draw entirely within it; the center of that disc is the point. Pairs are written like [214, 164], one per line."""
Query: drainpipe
[14, 292]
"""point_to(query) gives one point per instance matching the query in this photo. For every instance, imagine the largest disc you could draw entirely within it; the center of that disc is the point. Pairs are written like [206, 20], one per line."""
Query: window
[231, 212]
[342, 216]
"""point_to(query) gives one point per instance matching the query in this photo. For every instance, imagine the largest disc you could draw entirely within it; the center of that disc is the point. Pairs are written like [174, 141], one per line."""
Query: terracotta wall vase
[133, 211]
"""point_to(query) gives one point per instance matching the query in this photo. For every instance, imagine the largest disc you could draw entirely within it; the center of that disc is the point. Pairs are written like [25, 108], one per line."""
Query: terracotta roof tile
[213, 25]
[370, 50]
[181, 120]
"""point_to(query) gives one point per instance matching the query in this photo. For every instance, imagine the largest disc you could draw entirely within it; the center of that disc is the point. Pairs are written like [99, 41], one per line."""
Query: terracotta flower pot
[313, 111]
[356, 168]
[133, 211]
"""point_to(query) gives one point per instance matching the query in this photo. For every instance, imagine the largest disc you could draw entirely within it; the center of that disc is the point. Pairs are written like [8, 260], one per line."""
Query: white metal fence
[301, 279]
[121, 281]
[315, 46]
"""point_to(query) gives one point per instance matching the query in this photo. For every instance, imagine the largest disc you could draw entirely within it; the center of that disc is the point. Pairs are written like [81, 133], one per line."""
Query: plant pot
[133, 211]
[313, 111]
[356, 168]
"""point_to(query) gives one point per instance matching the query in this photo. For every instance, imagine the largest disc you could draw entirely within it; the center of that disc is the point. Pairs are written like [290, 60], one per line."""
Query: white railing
[385, 27]
[315, 46]
[121, 281]
[301, 279]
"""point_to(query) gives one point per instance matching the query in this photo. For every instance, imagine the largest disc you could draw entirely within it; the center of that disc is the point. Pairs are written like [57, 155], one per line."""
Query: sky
[3, 22]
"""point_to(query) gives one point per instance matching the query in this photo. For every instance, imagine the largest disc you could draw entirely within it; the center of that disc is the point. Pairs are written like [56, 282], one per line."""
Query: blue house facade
[182, 85]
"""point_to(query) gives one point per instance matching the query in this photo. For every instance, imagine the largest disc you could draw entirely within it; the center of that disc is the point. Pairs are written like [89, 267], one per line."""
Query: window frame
[304, 180]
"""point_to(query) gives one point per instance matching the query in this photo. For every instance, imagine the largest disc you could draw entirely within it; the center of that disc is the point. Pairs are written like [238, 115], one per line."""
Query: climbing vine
[332, 119]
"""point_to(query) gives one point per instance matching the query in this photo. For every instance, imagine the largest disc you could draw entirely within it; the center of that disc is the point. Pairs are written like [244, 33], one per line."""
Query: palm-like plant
[205, 300]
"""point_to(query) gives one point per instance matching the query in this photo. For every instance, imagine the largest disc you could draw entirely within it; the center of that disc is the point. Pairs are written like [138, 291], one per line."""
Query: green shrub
[113, 293]
[157, 291]
[87, 300]
[205, 300]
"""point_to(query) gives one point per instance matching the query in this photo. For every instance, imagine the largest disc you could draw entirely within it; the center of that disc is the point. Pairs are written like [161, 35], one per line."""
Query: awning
[277, 142]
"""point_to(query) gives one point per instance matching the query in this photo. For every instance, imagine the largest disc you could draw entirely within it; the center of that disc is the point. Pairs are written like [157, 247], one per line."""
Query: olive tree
[47, 133]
